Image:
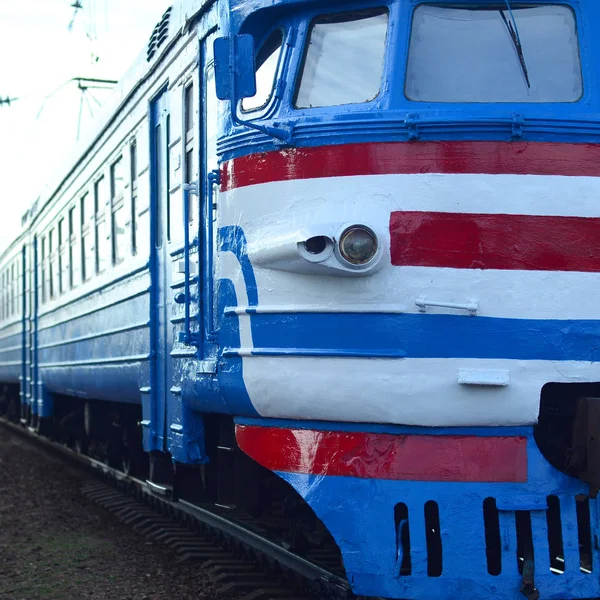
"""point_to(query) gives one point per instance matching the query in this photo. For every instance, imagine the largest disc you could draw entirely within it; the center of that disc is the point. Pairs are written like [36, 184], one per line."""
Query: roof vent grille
[159, 35]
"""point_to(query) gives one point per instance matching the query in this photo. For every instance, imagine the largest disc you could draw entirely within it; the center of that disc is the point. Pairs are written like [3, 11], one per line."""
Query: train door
[161, 298]
[192, 358]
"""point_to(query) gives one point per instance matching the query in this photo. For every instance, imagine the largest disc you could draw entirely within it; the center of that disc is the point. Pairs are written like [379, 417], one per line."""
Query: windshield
[467, 55]
[344, 60]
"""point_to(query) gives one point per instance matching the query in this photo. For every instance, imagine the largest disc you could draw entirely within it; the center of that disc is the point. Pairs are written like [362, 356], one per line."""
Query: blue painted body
[368, 540]
[123, 338]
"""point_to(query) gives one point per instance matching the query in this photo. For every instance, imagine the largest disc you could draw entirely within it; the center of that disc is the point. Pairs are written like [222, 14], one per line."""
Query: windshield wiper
[514, 35]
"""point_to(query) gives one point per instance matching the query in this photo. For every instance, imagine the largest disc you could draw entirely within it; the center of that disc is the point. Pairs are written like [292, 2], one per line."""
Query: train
[343, 253]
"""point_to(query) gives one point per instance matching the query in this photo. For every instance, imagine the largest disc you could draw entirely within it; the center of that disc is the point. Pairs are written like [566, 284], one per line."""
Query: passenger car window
[134, 192]
[42, 280]
[344, 60]
[101, 239]
[120, 242]
[460, 54]
[267, 60]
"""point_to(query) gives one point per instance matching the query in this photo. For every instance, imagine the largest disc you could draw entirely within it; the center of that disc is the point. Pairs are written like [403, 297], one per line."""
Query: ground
[56, 545]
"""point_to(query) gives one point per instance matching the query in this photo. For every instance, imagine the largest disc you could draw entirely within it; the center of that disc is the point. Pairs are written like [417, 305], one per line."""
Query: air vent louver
[159, 35]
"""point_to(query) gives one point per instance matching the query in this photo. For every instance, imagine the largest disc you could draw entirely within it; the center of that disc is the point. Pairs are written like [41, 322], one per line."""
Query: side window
[6, 295]
[210, 121]
[8, 311]
[267, 59]
[344, 58]
[51, 265]
[13, 290]
[117, 193]
[7, 285]
[86, 216]
[100, 237]
[142, 206]
[63, 262]
[2, 295]
[134, 193]
[42, 276]
[18, 304]
[74, 260]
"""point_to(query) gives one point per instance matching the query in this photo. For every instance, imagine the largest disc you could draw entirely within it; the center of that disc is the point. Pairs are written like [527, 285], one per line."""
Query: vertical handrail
[214, 178]
[188, 189]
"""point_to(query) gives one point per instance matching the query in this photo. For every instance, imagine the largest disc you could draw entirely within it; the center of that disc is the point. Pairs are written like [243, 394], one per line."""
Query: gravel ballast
[56, 545]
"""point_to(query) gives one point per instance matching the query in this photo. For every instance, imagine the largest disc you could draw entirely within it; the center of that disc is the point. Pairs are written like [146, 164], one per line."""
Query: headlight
[358, 245]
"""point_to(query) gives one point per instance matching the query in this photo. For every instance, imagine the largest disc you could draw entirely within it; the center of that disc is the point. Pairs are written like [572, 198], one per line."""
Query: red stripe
[521, 158]
[384, 456]
[474, 241]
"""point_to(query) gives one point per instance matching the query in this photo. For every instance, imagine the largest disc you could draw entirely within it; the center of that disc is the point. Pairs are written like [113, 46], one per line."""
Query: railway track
[232, 548]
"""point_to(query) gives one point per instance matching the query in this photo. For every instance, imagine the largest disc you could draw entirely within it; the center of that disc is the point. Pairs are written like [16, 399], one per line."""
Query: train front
[409, 226]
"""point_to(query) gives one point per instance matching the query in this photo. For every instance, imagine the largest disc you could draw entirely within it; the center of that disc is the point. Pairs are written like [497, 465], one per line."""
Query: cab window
[487, 54]
[267, 60]
[344, 59]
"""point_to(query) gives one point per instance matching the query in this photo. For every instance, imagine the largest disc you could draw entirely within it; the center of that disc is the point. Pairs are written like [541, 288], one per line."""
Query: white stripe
[500, 294]
[423, 392]
[457, 193]
[271, 211]
[407, 391]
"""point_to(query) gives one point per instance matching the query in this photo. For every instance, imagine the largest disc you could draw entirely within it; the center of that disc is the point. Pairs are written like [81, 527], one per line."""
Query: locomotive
[345, 252]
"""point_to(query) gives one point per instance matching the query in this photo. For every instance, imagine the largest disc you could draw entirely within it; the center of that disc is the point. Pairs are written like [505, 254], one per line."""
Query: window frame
[297, 79]
[86, 236]
[42, 264]
[274, 94]
[117, 202]
[61, 247]
[403, 75]
[133, 178]
[100, 218]
[72, 243]
[391, 104]
[2, 294]
[51, 267]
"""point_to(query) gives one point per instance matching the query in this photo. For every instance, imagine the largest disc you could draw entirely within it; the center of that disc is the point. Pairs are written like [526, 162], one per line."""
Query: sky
[43, 45]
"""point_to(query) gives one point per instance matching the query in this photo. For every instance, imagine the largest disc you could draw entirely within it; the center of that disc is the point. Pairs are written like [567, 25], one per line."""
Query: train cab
[410, 192]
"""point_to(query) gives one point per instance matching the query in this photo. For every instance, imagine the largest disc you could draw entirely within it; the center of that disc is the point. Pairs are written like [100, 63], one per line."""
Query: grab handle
[471, 307]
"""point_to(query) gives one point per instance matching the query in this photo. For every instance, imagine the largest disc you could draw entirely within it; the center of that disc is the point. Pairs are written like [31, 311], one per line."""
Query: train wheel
[134, 461]
[81, 445]
[44, 426]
